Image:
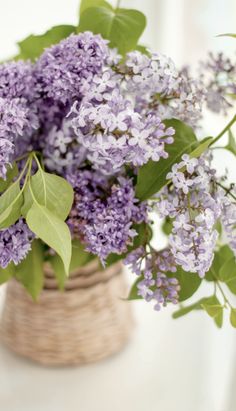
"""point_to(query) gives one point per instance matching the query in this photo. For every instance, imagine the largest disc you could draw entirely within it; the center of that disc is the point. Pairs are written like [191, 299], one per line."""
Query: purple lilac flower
[194, 207]
[218, 74]
[154, 284]
[15, 243]
[114, 134]
[160, 88]
[229, 220]
[13, 121]
[17, 80]
[62, 153]
[62, 67]
[18, 116]
[102, 215]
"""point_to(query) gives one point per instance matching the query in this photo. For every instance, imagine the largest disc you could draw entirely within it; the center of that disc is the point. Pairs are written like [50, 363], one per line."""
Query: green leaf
[142, 49]
[227, 274]
[51, 191]
[7, 273]
[122, 27]
[213, 273]
[53, 231]
[201, 147]
[214, 309]
[79, 258]
[225, 253]
[231, 146]
[10, 205]
[34, 45]
[233, 317]
[152, 176]
[185, 310]
[167, 226]
[30, 271]
[133, 294]
[221, 256]
[189, 283]
[86, 4]
[227, 35]
[210, 304]
[11, 173]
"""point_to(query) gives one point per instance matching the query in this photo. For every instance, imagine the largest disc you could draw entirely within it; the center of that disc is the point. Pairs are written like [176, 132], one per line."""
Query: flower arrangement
[97, 139]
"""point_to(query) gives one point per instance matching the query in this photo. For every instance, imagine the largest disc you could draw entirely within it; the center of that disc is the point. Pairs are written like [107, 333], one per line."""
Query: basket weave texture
[85, 323]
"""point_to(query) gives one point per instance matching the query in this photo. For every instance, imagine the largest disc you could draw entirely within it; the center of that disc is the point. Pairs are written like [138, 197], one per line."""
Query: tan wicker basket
[85, 323]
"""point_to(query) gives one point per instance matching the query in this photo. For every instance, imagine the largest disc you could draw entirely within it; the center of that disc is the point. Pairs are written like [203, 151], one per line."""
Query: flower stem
[227, 190]
[227, 127]
[226, 301]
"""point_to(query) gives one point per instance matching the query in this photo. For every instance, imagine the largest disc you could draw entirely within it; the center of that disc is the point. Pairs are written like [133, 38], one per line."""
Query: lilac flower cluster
[193, 205]
[228, 219]
[61, 69]
[61, 72]
[154, 284]
[15, 243]
[163, 89]
[62, 152]
[18, 119]
[102, 215]
[218, 75]
[114, 134]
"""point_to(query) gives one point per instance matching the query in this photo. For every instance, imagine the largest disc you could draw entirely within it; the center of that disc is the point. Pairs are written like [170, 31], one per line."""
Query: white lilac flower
[218, 75]
[159, 87]
[115, 134]
[61, 150]
[195, 208]
[229, 220]
[154, 284]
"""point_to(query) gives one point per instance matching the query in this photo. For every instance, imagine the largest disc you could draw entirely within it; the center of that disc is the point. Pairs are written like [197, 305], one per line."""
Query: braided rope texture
[87, 322]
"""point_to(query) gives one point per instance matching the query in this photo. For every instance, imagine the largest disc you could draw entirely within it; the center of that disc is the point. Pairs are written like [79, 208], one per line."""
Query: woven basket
[85, 323]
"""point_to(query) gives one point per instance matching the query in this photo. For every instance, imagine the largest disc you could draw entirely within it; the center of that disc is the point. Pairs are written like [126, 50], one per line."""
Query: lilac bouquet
[97, 140]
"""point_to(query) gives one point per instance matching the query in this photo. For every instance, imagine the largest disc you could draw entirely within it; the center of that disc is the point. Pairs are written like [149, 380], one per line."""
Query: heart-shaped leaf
[122, 27]
[86, 4]
[33, 46]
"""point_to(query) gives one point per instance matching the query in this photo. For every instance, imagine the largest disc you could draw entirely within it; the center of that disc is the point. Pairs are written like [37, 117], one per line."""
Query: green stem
[23, 170]
[227, 190]
[226, 301]
[227, 127]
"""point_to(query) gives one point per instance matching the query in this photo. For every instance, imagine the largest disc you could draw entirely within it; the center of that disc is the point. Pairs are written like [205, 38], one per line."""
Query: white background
[184, 365]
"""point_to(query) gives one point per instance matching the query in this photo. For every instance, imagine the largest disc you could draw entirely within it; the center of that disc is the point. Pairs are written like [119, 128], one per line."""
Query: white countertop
[181, 365]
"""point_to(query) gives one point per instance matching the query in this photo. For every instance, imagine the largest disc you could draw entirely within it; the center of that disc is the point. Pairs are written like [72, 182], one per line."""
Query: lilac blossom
[152, 268]
[114, 134]
[15, 243]
[218, 75]
[62, 67]
[229, 219]
[62, 152]
[103, 215]
[194, 208]
[17, 80]
[13, 121]
[159, 87]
